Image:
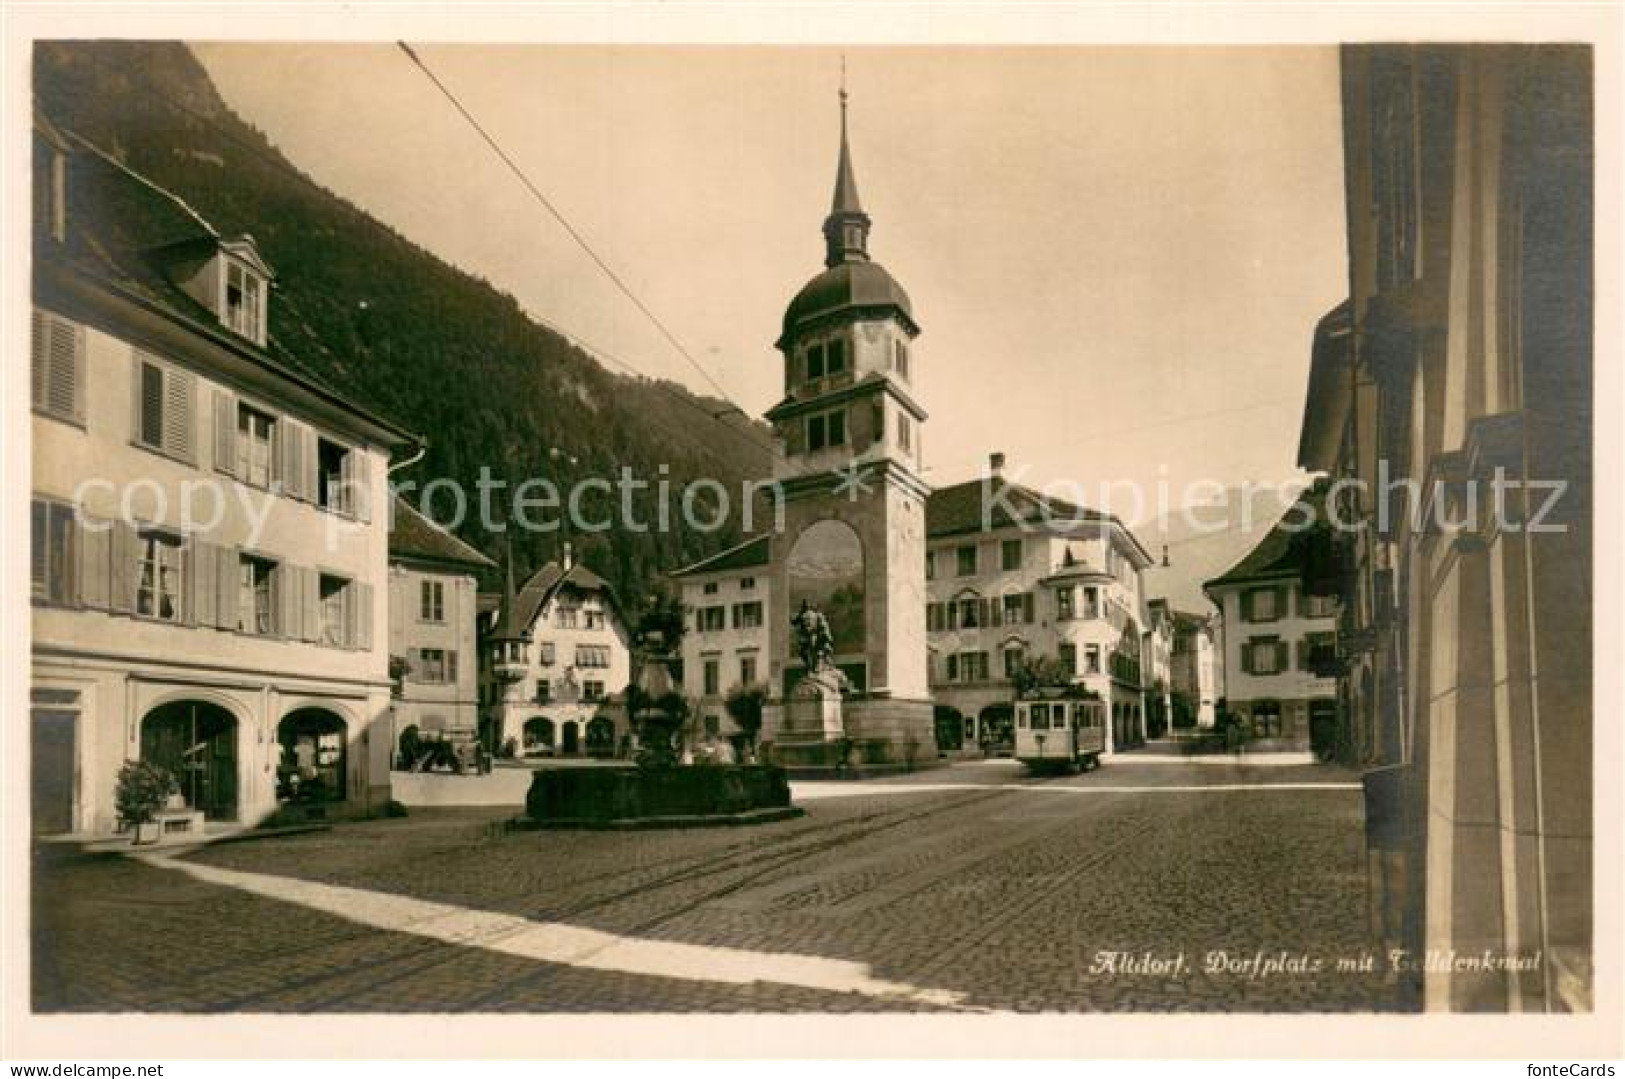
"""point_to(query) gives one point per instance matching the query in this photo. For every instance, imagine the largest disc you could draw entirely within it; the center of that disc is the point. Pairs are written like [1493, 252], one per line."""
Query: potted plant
[143, 789]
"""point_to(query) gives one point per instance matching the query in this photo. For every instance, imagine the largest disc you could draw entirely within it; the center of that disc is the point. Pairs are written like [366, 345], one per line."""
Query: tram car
[1055, 732]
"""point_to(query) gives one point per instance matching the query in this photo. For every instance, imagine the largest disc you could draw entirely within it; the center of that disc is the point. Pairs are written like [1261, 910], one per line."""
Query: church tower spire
[846, 229]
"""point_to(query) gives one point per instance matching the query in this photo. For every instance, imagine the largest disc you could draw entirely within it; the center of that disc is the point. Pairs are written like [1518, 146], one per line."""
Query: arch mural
[826, 569]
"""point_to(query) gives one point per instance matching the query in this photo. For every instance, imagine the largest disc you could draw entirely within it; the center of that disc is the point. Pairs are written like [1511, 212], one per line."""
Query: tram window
[1040, 717]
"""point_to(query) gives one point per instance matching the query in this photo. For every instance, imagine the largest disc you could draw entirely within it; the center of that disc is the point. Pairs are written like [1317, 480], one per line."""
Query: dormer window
[243, 301]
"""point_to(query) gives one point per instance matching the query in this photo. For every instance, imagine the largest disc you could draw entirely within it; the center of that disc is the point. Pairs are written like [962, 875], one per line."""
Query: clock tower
[849, 465]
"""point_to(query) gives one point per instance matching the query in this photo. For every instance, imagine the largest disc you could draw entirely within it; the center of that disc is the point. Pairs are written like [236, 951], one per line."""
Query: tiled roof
[414, 536]
[746, 555]
[985, 504]
[1280, 553]
[545, 583]
[127, 232]
[951, 511]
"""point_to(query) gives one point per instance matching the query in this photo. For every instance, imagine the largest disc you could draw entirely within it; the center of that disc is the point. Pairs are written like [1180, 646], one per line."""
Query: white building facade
[725, 603]
[556, 664]
[1274, 638]
[433, 620]
[1012, 575]
[208, 572]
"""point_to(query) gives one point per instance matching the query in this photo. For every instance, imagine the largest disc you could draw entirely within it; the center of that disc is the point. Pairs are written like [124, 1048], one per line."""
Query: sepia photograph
[589, 530]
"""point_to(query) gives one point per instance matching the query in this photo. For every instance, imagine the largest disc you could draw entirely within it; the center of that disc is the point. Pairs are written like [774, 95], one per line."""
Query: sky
[1117, 254]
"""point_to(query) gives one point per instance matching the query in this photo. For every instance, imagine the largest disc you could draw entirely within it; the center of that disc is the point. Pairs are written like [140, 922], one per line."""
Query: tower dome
[850, 289]
[851, 285]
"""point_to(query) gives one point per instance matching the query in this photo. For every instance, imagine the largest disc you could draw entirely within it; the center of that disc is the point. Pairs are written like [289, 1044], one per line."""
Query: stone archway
[196, 742]
[313, 764]
[826, 569]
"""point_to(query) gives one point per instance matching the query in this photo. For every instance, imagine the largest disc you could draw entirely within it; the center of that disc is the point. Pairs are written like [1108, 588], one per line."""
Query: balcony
[510, 661]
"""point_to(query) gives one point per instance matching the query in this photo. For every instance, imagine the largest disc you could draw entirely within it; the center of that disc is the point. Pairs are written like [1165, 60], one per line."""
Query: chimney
[568, 559]
[995, 463]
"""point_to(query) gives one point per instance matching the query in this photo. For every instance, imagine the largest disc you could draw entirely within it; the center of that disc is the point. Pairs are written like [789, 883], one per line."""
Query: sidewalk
[1164, 750]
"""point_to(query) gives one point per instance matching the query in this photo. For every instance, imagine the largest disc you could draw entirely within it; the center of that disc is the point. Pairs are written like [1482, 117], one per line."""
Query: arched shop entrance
[538, 734]
[996, 725]
[196, 742]
[571, 744]
[600, 736]
[311, 769]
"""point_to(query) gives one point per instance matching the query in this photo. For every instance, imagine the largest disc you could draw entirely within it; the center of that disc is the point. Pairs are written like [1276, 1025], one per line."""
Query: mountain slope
[401, 331]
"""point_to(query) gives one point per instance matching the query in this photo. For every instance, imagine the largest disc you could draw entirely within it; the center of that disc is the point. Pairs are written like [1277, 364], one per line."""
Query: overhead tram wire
[564, 223]
[270, 157]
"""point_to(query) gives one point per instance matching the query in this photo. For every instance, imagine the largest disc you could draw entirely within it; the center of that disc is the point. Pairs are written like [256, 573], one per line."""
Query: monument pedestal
[810, 728]
[824, 737]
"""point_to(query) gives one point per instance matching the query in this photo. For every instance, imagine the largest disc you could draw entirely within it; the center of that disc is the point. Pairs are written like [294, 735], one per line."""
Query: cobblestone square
[972, 887]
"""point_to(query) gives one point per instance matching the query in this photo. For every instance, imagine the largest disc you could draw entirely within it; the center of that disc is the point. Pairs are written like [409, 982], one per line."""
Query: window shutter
[40, 535]
[1283, 598]
[996, 611]
[360, 485]
[287, 591]
[126, 553]
[307, 464]
[179, 426]
[204, 581]
[1247, 658]
[1303, 655]
[349, 632]
[1283, 656]
[149, 402]
[290, 458]
[982, 611]
[361, 593]
[57, 366]
[95, 565]
[310, 604]
[41, 349]
[953, 668]
[1027, 607]
[227, 574]
[451, 666]
[225, 431]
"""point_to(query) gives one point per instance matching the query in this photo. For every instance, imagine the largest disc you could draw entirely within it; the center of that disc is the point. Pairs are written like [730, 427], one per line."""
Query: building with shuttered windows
[208, 570]
[1013, 574]
[556, 664]
[1277, 638]
[1010, 575]
[433, 616]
